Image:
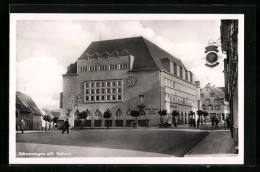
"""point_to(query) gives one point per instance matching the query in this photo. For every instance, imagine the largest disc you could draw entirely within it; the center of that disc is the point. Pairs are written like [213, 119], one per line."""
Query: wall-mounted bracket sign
[211, 56]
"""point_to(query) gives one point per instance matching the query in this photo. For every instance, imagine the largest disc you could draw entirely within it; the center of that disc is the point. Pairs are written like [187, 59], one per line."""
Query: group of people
[65, 127]
[214, 121]
[192, 122]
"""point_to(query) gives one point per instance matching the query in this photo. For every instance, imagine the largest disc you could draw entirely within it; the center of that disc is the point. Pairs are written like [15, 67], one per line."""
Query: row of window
[180, 100]
[118, 113]
[210, 95]
[209, 101]
[178, 86]
[210, 107]
[103, 84]
[103, 67]
[103, 91]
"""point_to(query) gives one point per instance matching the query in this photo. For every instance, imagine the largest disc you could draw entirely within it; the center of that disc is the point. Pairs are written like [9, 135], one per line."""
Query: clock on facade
[132, 80]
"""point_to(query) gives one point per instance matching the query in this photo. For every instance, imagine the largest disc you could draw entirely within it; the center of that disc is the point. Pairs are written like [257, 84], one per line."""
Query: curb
[197, 144]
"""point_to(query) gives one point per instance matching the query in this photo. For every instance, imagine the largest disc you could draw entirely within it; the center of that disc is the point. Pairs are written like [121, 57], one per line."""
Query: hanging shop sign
[211, 56]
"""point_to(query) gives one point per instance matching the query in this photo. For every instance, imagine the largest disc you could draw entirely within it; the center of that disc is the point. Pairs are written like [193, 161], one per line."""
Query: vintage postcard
[126, 88]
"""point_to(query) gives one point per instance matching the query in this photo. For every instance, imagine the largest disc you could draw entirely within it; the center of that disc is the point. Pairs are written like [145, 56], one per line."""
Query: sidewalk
[217, 143]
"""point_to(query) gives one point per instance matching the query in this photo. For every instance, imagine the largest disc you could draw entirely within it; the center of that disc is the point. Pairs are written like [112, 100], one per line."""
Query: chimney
[208, 83]
[213, 85]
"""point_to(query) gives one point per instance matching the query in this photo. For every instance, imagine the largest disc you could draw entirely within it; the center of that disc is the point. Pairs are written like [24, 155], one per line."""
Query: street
[116, 142]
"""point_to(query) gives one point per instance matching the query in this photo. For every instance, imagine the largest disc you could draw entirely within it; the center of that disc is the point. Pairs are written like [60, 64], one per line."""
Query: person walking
[212, 121]
[216, 121]
[66, 126]
[198, 122]
[194, 123]
[228, 123]
[22, 125]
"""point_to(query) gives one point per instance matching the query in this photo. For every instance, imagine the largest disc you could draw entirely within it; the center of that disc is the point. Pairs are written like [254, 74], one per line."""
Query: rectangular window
[114, 83]
[211, 94]
[87, 84]
[217, 107]
[114, 90]
[201, 95]
[113, 97]
[216, 101]
[100, 91]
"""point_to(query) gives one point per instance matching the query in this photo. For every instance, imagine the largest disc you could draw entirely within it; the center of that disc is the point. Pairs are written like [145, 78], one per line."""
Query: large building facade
[123, 75]
[229, 46]
[213, 101]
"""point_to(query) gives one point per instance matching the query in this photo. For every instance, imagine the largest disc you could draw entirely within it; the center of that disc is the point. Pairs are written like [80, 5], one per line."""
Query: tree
[82, 116]
[46, 118]
[136, 114]
[174, 113]
[55, 120]
[204, 113]
[107, 115]
[162, 113]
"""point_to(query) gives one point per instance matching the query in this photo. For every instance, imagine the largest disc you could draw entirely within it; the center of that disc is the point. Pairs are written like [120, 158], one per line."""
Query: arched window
[89, 114]
[119, 113]
[181, 72]
[97, 114]
[203, 107]
[175, 68]
[142, 112]
[210, 107]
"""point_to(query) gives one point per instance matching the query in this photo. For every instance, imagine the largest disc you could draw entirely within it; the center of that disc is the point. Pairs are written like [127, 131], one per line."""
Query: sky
[44, 49]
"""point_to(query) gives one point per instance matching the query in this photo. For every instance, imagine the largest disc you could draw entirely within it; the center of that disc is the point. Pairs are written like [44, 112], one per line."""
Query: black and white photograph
[126, 88]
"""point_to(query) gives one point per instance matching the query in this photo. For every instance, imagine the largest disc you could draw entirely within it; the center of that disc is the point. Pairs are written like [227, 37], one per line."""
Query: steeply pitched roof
[29, 101]
[223, 89]
[218, 92]
[147, 55]
[21, 106]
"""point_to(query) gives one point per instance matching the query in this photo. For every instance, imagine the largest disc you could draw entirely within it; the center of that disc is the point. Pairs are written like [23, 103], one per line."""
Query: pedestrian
[228, 123]
[198, 122]
[22, 125]
[216, 121]
[190, 122]
[194, 122]
[66, 126]
[212, 121]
